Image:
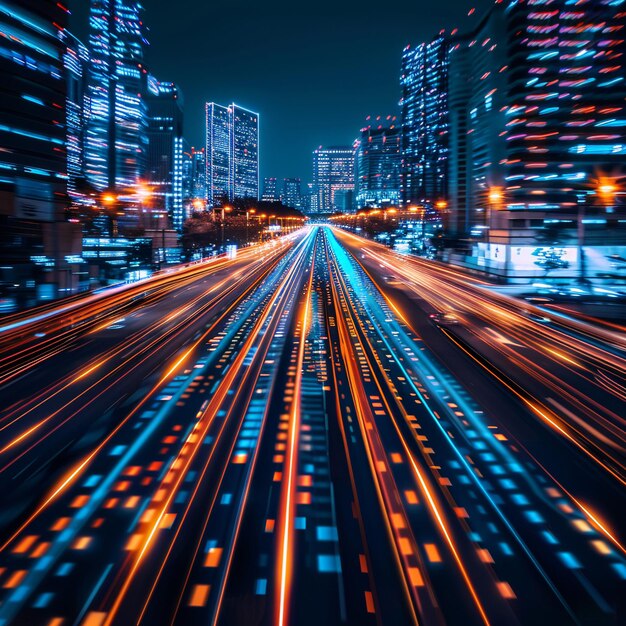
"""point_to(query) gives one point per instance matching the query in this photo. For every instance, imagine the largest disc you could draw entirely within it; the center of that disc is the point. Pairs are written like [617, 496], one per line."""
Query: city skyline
[312, 96]
[274, 352]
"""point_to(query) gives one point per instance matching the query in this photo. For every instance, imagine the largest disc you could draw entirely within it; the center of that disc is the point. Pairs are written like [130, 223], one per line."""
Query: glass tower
[244, 153]
[333, 177]
[424, 122]
[378, 160]
[537, 97]
[76, 62]
[217, 153]
[270, 190]
[232, 153]
[116, 138]
[165, 147]
[292, 193]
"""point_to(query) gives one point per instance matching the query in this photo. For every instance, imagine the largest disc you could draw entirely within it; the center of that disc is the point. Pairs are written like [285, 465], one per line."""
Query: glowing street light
[607, 189]
[495, 196]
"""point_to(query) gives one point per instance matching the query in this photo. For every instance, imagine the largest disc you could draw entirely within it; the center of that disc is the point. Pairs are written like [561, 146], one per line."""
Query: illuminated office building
[217, 154]
[36, 241]
[244, 153]
[164, 171]
[424, 122]
[232, 153]
[76, 62]
[537, 116]
[116, 138]
[270, 190]
[377, 162]
[194, 176]
[333, 176]
[292, 193]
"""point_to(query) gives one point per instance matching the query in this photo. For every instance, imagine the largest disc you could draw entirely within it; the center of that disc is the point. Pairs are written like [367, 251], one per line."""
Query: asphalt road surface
[316, 431]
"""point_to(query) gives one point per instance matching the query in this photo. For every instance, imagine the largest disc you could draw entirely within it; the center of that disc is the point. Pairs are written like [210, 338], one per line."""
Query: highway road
[317, 431]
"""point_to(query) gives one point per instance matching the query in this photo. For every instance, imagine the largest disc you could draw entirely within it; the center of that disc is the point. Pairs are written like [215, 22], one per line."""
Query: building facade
[194, 175]
[291, 195]
[76, 62]
[232, 153]
[424, 104]
[164, 162]
[116, 140]
[378, 163]
[244, 153]
[537, 102]
[270, 190]
[522, 121]
[217, 153]
[333, 176]
[37, 243]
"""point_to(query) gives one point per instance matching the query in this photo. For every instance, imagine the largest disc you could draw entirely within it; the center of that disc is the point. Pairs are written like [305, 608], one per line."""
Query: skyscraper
[378, 160]
[424, 121]
[536, 115]
[35, 237]
[217, 153]
[76, 62]
[292, 193]
[116, 132]
[232, 153]
[195, 178]
[244, 153]
[165, 147]
[270, 190]
[333, 175]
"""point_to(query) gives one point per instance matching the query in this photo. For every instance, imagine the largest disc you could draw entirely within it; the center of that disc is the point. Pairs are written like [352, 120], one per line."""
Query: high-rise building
[244, 153]
[270, 190]
[377, 162]
[116, 132]
[36, 240]
[76, 62]
[292, 193]
[218, 131]
[537, 102]
[232, 153]
[424, 122]
[164, 166]
[194, 185]
[333, 173]
[523, 120]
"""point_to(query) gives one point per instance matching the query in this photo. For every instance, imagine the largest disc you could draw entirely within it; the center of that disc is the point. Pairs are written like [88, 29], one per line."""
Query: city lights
[248, 381]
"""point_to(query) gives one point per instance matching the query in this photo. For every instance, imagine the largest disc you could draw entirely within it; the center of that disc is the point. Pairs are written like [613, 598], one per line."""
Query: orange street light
[607, 189]
[495, 195]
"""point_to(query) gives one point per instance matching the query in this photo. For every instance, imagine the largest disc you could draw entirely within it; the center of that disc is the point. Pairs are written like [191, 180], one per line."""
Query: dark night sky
[312, 69]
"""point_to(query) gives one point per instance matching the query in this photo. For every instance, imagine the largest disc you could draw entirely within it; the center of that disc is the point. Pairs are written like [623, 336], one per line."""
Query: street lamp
[607, 189]
[249, 212]
[495, 201]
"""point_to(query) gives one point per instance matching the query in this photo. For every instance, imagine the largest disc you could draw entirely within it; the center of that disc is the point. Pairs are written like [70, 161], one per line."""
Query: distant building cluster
[513, 132]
